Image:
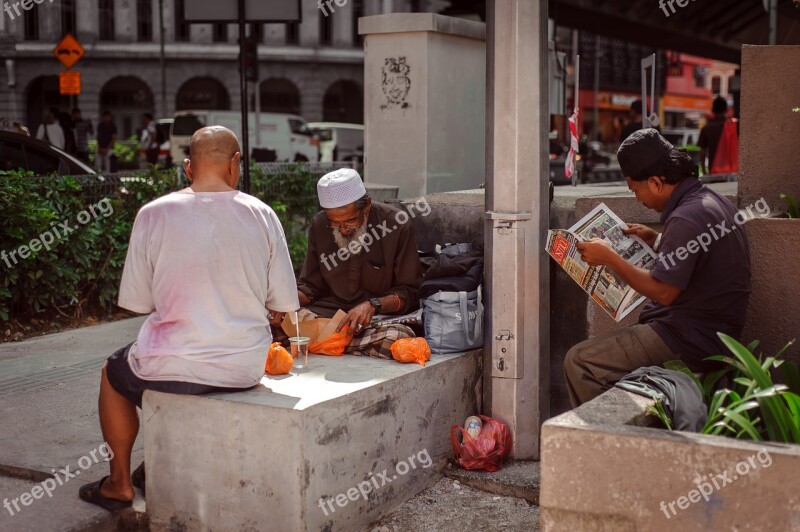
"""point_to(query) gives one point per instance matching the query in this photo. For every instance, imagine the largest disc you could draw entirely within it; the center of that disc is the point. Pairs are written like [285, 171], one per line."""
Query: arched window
[127, 98]
[279, 95]
[344, 102]
[202, 93]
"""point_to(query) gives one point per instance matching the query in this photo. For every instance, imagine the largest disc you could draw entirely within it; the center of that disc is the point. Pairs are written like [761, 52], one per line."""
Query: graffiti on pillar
[396, 83]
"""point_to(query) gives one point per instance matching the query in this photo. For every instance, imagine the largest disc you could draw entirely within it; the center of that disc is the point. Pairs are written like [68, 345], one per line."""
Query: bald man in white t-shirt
[207, 263]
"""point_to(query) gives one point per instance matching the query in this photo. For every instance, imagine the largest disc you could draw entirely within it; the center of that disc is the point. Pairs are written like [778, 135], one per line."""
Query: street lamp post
[162, 59]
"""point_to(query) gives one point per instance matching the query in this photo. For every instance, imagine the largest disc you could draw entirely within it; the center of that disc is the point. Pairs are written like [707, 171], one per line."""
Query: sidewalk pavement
[48, 414]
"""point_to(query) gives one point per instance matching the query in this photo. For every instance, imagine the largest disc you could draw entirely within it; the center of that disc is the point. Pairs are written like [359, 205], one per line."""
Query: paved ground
[48, 415]
[449, 505]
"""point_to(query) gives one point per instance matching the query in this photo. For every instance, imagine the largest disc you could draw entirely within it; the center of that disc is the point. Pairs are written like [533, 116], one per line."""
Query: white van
[288, 136]
[338, 141]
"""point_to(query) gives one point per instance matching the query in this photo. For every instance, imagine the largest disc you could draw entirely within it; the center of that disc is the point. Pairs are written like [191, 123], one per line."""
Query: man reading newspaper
[700, 283]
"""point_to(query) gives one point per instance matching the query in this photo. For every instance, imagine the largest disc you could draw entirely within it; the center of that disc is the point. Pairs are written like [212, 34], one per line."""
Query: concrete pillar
[4, 30]
[169, 25]
[517, 342]
[343, 26]
[49, 22]
[87, 21]
[309, 28]
[424, 88]
[125, 21]
[769, 130]
[275, 34]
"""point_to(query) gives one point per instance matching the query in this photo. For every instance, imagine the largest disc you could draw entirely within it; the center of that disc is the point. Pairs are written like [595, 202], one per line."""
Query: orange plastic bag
[409, 350]
[486, 452]
[279, 360]
[333, 345]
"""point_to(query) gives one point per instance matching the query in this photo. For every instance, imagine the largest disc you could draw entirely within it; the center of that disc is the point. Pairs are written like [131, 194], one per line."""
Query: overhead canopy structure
[716, 29]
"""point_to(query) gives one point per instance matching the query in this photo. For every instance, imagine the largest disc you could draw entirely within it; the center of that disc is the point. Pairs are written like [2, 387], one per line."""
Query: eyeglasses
[347, 225]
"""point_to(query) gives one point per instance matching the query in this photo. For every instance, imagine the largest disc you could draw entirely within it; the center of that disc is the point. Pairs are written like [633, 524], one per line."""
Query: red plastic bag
[726, 159]
[411, 350]
[333, 345]
[488, 452]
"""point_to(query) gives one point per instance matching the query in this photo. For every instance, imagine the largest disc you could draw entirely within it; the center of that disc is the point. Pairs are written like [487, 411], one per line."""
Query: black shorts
[131, 387]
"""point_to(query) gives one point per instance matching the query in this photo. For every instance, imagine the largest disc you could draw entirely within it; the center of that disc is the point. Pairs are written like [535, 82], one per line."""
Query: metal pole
[162, 60]
[243, 86]
[773, 22]
[596, 113]
[577, 109]
[258, 114]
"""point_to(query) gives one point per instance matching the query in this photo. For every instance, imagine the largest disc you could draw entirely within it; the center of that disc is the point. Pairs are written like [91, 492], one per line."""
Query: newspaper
[600, 282]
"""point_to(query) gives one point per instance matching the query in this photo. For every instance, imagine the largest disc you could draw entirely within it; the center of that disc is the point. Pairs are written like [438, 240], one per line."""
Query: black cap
[641, 150]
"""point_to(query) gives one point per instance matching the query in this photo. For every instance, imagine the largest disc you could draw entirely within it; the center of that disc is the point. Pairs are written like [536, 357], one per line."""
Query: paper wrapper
[317, 329]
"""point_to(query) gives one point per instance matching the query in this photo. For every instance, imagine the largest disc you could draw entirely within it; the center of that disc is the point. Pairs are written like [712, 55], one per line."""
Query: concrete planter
[774, 256]
[604, 469]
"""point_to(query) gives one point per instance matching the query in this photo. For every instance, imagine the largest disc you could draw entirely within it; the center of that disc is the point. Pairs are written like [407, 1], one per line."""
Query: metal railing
[267, 183]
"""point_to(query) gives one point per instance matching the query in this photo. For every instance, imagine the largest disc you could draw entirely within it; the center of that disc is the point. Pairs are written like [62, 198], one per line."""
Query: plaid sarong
[377, 341]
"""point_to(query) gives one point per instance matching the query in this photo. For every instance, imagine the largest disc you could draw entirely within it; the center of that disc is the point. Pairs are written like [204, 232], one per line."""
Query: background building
[313, 68]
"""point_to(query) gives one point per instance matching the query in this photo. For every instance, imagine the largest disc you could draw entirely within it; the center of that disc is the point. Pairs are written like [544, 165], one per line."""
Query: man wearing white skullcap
[360, 258]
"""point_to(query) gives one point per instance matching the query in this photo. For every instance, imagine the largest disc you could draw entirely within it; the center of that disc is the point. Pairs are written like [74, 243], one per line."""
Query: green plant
[792, 209]
[292, 194]
[127, 151]
[658, 411]
[754, 407]
[78, 273]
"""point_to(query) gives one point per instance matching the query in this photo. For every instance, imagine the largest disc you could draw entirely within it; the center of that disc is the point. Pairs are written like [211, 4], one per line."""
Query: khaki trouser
[593, 366]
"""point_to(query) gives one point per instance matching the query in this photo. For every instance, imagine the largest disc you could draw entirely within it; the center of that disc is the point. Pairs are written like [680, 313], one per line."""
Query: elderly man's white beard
[344, 241]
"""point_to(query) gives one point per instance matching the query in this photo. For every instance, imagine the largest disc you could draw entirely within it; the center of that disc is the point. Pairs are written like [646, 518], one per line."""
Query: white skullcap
[340, 188]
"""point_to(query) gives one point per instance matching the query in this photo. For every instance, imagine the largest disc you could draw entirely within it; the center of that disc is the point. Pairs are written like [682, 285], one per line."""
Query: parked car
[287, 136]
[27, 153]
[339, 141]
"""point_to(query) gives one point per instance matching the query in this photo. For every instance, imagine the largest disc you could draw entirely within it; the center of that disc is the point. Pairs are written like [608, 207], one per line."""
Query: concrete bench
[331, 447]
[604, 468]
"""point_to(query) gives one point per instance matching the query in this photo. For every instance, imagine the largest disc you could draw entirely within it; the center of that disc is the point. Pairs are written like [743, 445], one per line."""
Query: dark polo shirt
[391, 265]
[715, 283]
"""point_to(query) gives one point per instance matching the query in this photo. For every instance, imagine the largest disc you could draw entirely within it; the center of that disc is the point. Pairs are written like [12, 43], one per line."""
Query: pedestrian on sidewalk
[106, 137]
[719, 136]
[83, 129]
[50, 131]
[207, 263]
[148, 143]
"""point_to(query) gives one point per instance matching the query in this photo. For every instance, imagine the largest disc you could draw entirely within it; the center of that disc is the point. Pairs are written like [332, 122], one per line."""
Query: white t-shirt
[205, 264]
[54, 134]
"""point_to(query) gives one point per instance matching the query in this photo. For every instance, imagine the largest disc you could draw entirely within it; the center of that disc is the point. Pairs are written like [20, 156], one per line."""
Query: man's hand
[275, 317]
[304, 299]
[642, 231]
[596, 252]
[358, 318]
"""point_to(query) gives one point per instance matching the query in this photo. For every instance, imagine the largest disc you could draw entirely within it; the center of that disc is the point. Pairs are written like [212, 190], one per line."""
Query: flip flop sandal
[137, 477]
[91, 494]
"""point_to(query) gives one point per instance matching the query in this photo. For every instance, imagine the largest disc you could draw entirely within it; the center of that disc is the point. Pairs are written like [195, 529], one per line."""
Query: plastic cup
[299, 350]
